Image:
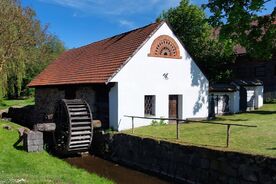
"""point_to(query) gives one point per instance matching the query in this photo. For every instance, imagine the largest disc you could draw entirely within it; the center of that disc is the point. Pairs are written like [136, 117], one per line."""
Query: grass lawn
[17, 166]
[4, 104]
[260, 140]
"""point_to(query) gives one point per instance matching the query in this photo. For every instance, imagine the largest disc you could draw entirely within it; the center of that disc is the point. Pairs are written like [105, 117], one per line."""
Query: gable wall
[143, 75]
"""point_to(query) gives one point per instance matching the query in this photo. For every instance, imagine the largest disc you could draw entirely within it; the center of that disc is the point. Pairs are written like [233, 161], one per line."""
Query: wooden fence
[178, 121]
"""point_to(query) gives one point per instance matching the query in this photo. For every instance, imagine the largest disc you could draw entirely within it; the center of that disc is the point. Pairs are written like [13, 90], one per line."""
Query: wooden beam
[184, 120]
[177, 129]
[228, 135]
[45, 127]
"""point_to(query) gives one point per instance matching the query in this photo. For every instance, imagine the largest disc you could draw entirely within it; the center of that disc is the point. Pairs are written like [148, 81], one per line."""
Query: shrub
[158, 123]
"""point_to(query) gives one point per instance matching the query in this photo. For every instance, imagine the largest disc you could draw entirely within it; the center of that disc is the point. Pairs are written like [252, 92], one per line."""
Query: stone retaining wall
[21, 115]
[185, 164]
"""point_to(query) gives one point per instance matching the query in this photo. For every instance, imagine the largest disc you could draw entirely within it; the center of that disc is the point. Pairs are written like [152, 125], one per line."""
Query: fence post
[177, 129]
[132, 121]
[228, 136]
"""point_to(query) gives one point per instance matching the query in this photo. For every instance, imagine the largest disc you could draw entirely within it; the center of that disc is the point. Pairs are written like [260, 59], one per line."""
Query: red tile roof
[96, 62]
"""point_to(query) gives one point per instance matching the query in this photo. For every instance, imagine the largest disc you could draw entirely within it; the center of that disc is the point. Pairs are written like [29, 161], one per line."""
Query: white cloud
[127, 23]
[115, 7]
[119, 10]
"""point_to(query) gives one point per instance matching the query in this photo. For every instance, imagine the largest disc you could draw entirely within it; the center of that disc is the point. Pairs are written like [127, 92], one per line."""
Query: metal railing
[228, 125]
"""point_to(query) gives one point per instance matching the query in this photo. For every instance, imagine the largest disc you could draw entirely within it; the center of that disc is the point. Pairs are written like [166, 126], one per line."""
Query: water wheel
[74, 128]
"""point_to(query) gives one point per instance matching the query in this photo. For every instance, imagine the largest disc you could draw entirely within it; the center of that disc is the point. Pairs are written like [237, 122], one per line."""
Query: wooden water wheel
[74, 128]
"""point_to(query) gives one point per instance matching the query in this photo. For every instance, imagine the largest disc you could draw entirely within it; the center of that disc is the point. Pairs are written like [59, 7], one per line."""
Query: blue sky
[80, 22]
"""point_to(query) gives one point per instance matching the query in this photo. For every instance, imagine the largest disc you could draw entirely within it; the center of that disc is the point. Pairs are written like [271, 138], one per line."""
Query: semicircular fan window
[164, 46]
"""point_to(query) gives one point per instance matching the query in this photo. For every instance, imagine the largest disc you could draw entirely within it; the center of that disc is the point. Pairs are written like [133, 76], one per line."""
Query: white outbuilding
[146, 72]
[251, 94]
[224, 99]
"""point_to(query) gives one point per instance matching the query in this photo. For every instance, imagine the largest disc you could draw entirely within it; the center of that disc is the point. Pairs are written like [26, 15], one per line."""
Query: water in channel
[112, 171]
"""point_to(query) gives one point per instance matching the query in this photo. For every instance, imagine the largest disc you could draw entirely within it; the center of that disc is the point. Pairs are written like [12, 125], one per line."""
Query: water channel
[118, 174]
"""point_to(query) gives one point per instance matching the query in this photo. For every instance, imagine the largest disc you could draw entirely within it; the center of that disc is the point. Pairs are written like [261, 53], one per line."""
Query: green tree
[41, 57]
[25, 47]
[189, 23]
[239, 21]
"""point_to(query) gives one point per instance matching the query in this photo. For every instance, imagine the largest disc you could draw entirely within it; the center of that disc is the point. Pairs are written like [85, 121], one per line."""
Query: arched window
[164, 46]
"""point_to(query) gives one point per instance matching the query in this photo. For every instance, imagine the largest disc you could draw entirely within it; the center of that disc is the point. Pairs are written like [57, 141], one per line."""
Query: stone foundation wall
[89, 95]
[185, 164]
[22, 115]
[46, 99]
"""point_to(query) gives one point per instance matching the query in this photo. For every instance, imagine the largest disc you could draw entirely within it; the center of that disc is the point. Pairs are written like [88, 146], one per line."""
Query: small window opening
[149, 104]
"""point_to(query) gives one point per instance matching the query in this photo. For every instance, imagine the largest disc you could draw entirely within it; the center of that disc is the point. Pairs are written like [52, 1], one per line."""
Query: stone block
[204, 163]
[248, 173]
[246, 182]
[33, 141]
[227, 169]
[203, 176]
[215, 165]
[233, 181]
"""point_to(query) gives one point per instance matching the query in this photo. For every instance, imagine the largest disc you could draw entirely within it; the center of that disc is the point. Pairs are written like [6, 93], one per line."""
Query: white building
[225, 97]
[144, 72]
[251, 94]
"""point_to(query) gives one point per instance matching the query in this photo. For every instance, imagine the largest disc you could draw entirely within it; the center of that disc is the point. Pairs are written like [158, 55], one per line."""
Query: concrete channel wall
[185, 164]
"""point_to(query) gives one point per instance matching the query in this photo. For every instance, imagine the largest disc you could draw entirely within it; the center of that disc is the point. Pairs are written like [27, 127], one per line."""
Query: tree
[41, 58]
[25, 46]
[212, 55]
[239, 21]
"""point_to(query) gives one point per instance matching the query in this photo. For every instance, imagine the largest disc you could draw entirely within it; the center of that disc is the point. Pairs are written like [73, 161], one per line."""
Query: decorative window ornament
[164, 46]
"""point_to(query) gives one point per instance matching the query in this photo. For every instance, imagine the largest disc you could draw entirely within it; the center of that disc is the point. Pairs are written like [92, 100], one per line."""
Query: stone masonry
[183, 163]
[47, 97]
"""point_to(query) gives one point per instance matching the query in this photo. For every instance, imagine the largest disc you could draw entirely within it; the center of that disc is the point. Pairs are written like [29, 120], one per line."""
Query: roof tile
[96, 62]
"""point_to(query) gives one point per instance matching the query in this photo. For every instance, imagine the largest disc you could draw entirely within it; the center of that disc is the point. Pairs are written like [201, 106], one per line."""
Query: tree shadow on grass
[262, 112]
[272, 149]
[225, 119]
[20, 147]
[18, 144]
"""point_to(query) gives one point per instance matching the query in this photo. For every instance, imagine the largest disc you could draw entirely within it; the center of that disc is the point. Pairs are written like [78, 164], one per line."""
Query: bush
[269, 100]
[158, 123]
[2, 103]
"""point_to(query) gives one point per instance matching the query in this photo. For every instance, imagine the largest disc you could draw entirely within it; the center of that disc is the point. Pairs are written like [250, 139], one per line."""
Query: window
[259, 71]
[149, 105]
[166, 47]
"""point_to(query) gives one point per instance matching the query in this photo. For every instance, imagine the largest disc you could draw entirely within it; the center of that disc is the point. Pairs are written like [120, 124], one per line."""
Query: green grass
[4, 104]
[17, 165]
[260, 140]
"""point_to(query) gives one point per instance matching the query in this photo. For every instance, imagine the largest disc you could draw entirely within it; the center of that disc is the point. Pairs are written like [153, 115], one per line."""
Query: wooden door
[173, 107]
[243, 99]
